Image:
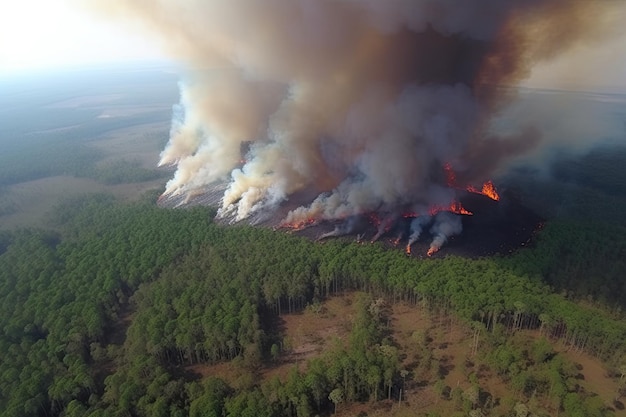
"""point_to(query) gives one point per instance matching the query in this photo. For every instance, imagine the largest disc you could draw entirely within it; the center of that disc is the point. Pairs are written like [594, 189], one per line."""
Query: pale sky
[42, 34]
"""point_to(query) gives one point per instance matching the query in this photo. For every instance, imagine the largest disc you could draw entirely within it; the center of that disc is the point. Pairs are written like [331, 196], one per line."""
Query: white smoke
[362, 101]
[445, 225]
[417, 227]
[344, 228]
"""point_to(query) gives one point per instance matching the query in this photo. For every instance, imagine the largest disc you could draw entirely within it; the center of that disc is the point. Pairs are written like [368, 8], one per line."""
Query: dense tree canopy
[199, 292]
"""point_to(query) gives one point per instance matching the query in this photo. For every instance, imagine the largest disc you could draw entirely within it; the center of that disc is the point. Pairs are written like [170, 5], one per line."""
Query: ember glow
[455, 207]
[450, 175]
[300, 225]
[385, 226]
[488, 190]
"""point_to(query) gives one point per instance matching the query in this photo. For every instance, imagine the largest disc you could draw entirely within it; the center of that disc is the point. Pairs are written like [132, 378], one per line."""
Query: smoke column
[384, 226]
[360, 102]
[345, 228]
[445, 226]
[417, 227]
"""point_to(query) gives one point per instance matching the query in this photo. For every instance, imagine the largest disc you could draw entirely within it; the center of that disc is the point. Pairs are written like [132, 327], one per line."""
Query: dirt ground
[432, 346]
[596, 377]
[34, 199]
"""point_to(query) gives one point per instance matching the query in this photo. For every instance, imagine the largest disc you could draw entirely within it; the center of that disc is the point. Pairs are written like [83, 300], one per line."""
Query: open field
[142, 143]
[91, 132]
[28, 202]
[32, 200]
[434, 347]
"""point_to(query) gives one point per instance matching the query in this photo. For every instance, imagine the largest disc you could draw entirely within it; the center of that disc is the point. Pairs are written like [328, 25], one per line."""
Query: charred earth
[493, 227]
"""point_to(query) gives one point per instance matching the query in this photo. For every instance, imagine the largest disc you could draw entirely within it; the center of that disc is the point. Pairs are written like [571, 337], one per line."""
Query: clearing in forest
[436, 350]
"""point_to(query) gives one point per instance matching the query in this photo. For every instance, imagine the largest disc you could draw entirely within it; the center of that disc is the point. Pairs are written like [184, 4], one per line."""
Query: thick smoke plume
[417, 227]
[360, 101]
[351, 225]
[445, 225]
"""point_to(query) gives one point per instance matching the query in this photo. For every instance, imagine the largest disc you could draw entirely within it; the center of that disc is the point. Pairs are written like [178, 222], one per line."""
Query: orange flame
[488, 190]
[408, 249]
[300, 225]
[431, 251]
[457, 208]
[450, 175]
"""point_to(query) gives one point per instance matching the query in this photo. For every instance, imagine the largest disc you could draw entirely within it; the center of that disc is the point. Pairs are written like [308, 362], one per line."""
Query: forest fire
[441, 221]
[488, 190]
[299, 225]
[389, 104]
[455, 207]
[450, 175]
[474, 224]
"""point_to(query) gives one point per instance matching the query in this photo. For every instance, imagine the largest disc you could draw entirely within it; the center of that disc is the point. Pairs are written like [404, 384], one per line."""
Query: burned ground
[495, 227]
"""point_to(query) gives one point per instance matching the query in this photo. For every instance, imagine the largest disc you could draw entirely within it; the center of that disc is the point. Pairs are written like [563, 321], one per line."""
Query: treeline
[122, 171]
[584, 260]
[585, 188]
[601, 169]
[201, 293]
[365, 367]
[43, 158]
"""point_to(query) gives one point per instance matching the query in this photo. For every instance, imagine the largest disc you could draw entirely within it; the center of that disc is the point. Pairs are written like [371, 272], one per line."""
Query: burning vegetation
[441, 222]
[356, 105]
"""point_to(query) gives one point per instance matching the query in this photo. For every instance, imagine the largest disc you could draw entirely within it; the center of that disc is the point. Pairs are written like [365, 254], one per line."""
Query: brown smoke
[360, 100]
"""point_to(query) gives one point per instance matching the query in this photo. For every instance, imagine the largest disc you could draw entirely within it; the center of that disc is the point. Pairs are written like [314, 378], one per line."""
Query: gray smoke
[385, 225]
[445, 225]
[360, 101]
[417, 227]
[344, 228]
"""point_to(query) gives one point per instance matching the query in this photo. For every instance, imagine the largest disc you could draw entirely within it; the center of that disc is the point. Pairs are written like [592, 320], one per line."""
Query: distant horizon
[139, 64]
[179, 68]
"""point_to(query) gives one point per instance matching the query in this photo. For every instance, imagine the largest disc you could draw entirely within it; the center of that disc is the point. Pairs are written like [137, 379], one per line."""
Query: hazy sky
[595, 65]
[41, 34]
